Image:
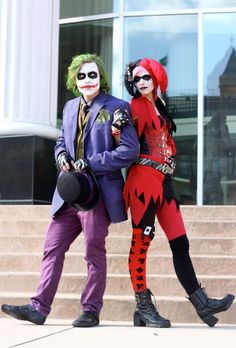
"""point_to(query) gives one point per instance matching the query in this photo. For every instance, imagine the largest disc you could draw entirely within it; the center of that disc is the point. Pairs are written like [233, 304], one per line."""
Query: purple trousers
[64, 228]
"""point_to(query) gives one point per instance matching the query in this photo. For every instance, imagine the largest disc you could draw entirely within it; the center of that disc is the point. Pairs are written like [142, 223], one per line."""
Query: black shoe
[87, 319]
[26, 312]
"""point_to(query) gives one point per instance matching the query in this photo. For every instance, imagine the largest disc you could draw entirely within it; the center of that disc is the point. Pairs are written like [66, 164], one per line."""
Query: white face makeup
[88, 80]
[143, 81]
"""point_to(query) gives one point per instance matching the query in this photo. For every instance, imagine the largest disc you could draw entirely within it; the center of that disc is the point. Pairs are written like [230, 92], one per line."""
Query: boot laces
[153, 299]
[153, 306]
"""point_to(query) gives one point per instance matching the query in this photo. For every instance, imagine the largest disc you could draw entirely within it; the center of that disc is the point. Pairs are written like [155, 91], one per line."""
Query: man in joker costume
[148, 192]
[85, 144]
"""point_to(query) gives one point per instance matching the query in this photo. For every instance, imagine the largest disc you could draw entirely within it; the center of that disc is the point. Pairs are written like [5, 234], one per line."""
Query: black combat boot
[206, 306]
[146, 313]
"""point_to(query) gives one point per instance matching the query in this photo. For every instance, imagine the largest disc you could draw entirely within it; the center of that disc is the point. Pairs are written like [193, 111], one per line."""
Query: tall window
[219, 108]
[152, 5]
[121, 31]
[86, 37]
[173, 41]
[78, 8]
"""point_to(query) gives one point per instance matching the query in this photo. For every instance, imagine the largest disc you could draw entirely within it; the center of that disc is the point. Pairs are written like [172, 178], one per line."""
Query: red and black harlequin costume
[148, 192]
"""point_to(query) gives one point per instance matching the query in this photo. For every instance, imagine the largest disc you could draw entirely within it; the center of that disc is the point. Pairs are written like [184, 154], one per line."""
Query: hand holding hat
[63, 162]
[81, 165]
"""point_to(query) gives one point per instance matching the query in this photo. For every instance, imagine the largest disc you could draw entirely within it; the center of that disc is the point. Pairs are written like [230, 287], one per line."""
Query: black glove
[171, 164]
[62, 160]
[121, 118]
[81, 165]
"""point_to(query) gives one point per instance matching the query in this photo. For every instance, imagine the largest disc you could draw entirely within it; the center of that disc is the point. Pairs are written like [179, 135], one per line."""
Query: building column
[29, 67]
[29, 31]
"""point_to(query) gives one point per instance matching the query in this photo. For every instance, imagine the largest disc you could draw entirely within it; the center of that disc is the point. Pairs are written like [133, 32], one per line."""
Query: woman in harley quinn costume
[148, 192]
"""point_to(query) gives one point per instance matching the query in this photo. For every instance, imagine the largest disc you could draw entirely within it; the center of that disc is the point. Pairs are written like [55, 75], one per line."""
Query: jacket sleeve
[60, 143]
[121, 156]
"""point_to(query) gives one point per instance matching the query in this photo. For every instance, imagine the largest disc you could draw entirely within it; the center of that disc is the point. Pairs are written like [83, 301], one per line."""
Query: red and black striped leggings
[170, 219]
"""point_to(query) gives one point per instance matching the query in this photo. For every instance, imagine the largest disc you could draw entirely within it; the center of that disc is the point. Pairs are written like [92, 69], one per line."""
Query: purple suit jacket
[106, 159]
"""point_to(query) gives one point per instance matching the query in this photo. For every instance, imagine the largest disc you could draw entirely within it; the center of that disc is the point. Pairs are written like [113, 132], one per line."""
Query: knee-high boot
[206, 306]
[146, 313]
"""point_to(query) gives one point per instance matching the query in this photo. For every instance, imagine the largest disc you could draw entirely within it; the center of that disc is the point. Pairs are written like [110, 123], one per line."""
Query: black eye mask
[91, 75]
[144, 77]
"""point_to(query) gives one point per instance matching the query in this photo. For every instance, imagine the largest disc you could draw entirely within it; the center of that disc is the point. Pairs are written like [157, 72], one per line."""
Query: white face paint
[143, 80]
[88, 80]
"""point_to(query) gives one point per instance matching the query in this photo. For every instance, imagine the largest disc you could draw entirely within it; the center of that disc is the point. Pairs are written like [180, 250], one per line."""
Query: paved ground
[60, 334]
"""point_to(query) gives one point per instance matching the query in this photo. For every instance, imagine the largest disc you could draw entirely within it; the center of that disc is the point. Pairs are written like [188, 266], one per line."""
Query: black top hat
[78, 189]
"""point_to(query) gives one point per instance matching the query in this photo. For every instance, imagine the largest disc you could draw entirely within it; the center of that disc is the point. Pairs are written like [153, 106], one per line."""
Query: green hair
[75, 67]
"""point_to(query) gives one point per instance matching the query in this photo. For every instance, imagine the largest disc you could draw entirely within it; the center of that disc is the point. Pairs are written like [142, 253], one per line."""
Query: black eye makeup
[144, 77]
[91, 75]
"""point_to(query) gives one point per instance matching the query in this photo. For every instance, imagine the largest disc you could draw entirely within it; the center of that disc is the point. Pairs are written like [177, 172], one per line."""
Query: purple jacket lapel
[74, 123]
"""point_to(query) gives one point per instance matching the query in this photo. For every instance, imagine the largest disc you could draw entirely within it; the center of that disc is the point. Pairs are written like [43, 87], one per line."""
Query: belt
[164, 168]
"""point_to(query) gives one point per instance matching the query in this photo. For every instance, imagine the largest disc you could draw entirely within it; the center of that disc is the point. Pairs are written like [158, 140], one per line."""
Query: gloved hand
[62, 162]
[171, 163]
[81, 165]
[120, 119]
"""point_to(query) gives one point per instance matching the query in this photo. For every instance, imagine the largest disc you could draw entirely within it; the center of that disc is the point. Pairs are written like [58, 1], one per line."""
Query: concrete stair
[212, 234]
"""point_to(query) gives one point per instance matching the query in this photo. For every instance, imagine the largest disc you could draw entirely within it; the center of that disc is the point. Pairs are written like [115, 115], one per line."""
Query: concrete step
[73, 283]
[120, 244]
[121, 308]
[212, 233]
[194, 228]
[189, 212]
[117, 263]
[13, 211]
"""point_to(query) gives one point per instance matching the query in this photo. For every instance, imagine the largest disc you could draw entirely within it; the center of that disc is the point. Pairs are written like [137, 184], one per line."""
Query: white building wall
[29, 31]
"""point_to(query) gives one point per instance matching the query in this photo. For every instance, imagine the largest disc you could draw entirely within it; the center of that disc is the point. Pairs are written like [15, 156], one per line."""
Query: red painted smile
[89, 86]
